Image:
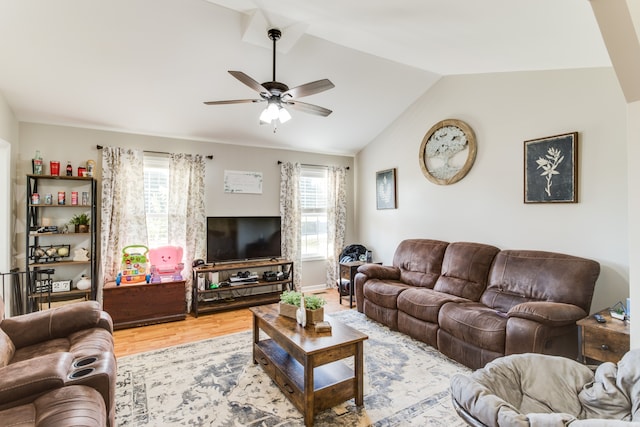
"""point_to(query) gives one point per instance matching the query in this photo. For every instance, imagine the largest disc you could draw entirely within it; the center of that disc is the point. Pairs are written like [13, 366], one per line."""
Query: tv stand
[239, 294]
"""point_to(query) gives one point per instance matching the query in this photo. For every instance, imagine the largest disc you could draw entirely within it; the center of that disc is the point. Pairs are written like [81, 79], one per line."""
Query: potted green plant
[314, 305]
[81, 222]
[289, 303]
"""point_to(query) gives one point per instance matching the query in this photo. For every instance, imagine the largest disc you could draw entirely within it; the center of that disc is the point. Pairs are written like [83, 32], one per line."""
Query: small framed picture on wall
[386, 189]
[551, 169]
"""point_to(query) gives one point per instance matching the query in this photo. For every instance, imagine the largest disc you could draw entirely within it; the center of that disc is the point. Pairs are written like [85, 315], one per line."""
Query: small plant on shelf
[81, 222]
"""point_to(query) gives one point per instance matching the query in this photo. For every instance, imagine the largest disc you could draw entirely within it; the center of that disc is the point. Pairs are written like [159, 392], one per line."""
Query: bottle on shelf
[69, 169]
[36, 163]
[91, 165]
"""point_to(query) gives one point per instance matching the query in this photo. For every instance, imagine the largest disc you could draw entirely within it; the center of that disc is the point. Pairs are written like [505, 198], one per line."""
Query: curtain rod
[99, 147]
[317, 166]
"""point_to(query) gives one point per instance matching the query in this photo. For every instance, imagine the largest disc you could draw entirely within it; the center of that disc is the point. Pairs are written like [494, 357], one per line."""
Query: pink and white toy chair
[166, 264]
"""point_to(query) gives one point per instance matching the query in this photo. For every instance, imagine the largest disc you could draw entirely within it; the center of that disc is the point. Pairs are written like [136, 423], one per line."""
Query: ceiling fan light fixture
[283, 115]
[270, 113]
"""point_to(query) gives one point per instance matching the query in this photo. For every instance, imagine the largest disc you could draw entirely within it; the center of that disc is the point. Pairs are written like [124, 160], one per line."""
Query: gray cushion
[546, 391]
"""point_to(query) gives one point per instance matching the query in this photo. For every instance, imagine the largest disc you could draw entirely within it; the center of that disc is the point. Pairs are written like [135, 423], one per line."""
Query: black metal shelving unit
[41, 269]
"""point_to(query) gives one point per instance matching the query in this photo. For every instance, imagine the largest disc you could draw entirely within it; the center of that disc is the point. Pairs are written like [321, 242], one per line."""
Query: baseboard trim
[314, 288]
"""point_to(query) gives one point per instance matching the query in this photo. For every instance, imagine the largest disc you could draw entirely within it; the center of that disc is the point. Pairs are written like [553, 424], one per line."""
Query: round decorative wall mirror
[448, 151]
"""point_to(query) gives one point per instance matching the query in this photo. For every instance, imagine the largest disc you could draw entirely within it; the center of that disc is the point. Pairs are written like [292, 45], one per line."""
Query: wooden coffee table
[305, 364]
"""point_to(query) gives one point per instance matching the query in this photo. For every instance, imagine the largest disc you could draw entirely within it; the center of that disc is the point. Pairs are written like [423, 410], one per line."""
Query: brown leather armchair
[59, 347]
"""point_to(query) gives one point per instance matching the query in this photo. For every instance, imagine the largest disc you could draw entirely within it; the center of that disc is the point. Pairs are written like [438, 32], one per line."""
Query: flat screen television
[241, 238]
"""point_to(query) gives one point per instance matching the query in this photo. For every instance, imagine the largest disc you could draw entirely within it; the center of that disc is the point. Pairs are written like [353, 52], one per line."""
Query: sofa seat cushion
[384, 293]
[425, 304]
[74, 405]
[474, 324]
[87, 342]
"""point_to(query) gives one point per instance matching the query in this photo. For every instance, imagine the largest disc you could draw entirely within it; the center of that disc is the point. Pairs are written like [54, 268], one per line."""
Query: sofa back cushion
[465, 269]
[519, 276]
[420, 261]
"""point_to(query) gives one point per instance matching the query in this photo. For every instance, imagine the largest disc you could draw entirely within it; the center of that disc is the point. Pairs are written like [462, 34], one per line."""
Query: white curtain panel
[123, 220]
[291, 217]
[336, 220]
[186, 211]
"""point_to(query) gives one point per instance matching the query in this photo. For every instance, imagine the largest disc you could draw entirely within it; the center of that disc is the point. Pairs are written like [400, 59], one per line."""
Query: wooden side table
[604, 342]
[346, 272]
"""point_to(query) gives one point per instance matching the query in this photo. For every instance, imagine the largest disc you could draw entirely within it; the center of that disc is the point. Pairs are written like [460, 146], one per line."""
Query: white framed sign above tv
[242, 182]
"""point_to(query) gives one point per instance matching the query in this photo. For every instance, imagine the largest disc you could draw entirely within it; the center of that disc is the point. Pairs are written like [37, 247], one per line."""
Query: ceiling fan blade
[309, 108]
[233, 101]
[263, 91]
[309, 88]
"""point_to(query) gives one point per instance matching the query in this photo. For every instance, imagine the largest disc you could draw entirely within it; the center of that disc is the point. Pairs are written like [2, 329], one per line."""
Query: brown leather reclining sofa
[475, 302]
[57, 367]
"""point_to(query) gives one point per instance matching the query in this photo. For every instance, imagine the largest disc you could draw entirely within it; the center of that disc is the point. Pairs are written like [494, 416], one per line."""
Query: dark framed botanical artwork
[551, 169]
[386, 189]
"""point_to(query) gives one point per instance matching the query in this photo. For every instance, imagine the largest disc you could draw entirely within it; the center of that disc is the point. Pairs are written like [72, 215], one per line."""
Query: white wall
[8, 154]
[8, 148]
[487, 206]
[633, 139]
[79, 145]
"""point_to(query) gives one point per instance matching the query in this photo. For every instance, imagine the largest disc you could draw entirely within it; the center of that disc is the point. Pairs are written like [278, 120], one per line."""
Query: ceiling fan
[278, 95]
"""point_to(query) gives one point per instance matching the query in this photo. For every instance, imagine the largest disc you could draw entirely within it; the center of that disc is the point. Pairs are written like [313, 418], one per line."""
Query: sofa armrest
[371, 271]
[59, 322]
[23, 380]
[105, 321]
[382, 272]
[548, 313]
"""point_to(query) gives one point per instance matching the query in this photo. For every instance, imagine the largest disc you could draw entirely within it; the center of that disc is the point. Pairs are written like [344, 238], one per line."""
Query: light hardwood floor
[146, 338]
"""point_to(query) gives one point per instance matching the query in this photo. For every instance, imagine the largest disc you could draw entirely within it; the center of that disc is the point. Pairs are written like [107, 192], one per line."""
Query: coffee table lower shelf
[333, 383]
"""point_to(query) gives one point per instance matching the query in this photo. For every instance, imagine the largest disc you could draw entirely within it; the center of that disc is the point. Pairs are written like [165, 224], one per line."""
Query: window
[313, 198]
[156, 199]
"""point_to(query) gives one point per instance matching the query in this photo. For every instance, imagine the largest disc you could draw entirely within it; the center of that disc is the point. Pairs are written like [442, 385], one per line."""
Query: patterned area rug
[215, 383]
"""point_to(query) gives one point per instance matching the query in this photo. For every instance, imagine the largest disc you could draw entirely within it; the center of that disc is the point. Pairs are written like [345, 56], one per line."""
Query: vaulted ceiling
[146, 66]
